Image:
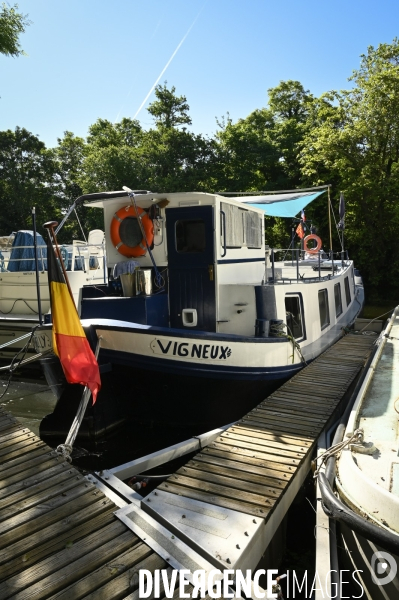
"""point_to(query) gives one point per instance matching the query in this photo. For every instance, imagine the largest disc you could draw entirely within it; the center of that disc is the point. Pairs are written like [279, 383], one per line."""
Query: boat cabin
[209, 253]
[198, 261]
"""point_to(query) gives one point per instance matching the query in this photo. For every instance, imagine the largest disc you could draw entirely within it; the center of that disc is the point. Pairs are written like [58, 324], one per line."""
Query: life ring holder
[307, 239]
[146, 225]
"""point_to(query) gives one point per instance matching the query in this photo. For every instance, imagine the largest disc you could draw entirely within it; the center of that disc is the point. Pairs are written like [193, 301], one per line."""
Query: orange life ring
[314, 237]
[129, 240]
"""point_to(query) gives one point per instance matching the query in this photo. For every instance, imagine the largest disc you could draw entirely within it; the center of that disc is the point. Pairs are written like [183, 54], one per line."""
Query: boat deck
[61, 538]
[306, 270]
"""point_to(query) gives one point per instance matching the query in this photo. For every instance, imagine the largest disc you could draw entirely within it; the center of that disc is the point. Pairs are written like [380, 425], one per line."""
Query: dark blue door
[191, 264]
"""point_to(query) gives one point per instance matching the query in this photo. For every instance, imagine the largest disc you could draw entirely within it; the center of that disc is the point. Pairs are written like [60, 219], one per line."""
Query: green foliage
[168, 109]
[27, 179]
[112, 157]
[247, 158]
[163, 159]
[355, 139]
[69, 157]
[12, 24]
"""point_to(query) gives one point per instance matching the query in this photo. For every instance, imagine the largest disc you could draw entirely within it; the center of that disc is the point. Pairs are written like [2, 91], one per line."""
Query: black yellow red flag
[300, 231]
[69, 340]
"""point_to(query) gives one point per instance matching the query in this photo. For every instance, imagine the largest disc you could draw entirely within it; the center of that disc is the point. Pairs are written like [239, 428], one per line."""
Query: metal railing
[322, 261]
[78, 256]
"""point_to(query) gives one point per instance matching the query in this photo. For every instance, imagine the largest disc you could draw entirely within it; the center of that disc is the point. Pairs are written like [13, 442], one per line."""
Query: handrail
[78, 249]
[224, 233]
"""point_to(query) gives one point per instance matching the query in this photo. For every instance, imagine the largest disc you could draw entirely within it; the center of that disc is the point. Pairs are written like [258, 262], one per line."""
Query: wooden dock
[258, 465]
[60, 537]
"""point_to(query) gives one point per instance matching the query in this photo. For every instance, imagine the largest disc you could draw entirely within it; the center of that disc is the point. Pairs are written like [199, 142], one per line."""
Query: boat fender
[307, 239]
[120, 233]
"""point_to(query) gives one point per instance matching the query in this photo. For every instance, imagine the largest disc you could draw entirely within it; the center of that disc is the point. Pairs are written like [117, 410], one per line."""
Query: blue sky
[90, 59]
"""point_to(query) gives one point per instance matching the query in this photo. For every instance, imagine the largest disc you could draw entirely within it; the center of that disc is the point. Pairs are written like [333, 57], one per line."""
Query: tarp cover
[281, 205]
[23, 259]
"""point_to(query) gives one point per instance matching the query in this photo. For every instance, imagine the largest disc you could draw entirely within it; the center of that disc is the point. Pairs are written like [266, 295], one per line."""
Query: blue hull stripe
[240, 260]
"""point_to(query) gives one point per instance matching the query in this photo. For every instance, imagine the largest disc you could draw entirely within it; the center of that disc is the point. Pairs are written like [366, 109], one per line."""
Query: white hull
[368, 476]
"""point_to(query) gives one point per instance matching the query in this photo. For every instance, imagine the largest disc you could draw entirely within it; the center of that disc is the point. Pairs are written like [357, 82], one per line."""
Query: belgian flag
[69, 339]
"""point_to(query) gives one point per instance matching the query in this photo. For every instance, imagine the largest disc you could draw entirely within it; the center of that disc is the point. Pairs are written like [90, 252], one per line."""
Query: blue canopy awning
[281, 204]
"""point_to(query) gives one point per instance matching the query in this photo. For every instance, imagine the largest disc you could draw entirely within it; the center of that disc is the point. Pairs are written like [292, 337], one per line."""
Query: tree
[112, 158]
[290, 105]
[69, 158]
[12, 24]
[27, 176]
[248, 159]
[177, 159]
[169, 110]
[355, 137]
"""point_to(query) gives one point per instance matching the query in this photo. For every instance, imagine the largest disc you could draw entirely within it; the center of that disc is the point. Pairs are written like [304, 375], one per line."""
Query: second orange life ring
[314, 237]
[126, 234]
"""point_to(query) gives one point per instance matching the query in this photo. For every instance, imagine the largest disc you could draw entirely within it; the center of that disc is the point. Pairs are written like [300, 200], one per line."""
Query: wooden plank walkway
[251, 466]
[59, 535]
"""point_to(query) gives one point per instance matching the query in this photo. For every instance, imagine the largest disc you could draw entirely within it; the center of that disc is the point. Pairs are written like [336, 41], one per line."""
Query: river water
[29, 401]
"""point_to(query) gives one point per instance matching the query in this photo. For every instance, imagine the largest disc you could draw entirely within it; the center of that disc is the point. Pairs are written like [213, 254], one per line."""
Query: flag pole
[50, 226]
[39, 302]
[329, 221]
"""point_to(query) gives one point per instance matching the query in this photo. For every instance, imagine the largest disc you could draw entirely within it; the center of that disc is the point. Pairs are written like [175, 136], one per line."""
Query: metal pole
[297, 264]
[39, 303]
[50, 226]
[292, 245]
[343, 252]
[329, 220]
[272, 251]
[319, 265]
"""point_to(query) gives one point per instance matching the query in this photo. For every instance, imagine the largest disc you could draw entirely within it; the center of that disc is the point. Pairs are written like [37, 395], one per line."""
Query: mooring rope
[355, 439]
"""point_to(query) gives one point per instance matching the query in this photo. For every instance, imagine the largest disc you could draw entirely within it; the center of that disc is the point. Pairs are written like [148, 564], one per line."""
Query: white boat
[367, 481]
[211, 316]
[19, 305]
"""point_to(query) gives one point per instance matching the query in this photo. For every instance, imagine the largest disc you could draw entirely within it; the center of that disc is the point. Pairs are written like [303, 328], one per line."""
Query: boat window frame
[325, 294]
[348, 296]
[183, 222]
[338, 285]
[231, 211]
[302, 310]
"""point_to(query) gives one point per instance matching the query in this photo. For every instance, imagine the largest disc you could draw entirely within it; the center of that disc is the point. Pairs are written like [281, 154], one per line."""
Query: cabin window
[293, 313]
[252, 225]
[190, 235]
[243, 227]
[338, 299]
[347, 291]
[324, 309]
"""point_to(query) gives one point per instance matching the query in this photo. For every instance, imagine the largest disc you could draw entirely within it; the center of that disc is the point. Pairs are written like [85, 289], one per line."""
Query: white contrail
[132, 86]
[168, 63]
